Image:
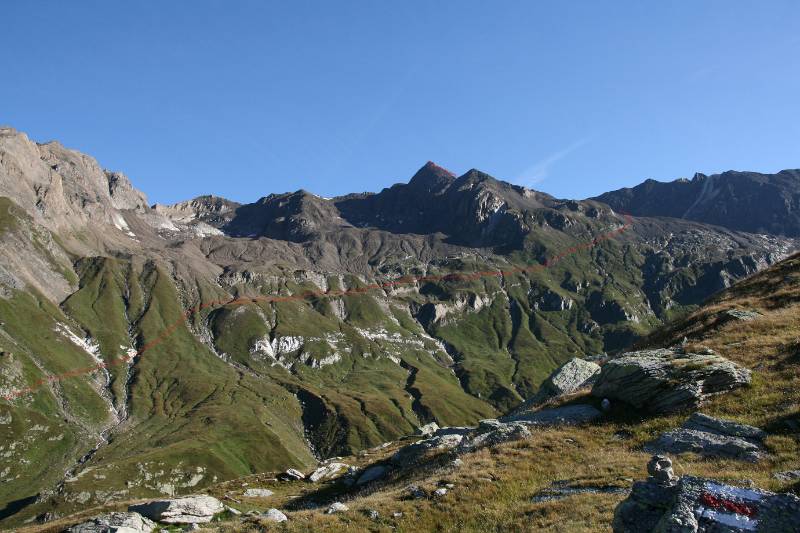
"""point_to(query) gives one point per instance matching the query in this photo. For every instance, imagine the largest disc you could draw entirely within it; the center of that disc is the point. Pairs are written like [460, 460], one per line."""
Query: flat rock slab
[713, 437]
[567, 415]
[667, 380]
[186, 510]
[257, 493]
[115, 522]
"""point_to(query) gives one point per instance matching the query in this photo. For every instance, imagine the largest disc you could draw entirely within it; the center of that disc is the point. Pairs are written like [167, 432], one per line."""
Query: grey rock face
[567, 415]
[715, 437]
[187, 510]
[665, 380]
[115, 523]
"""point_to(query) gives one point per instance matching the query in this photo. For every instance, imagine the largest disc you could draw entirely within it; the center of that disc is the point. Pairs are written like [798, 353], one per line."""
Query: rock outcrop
[713, 437]
[572, 376]
[664, 503]
[186, 510]
[667, 380]
[115, 523]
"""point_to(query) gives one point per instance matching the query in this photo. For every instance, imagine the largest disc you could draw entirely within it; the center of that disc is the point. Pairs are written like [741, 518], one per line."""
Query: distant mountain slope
[156, 350]
[744, 201]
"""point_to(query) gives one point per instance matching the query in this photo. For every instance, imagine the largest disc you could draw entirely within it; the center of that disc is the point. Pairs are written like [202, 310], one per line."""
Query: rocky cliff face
[301, 325]
[744, 201]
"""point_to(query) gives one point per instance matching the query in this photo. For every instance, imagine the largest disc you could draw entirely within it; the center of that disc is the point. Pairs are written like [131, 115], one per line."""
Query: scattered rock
[440, 493]
[428, 429]
[605, 405]
[713, 437]
[372, 473]
[741, 314]
[495, 434]
[292, 475]
[273, 515]
[563, 489]
[191, 527]
[337, 507]
[372, 514]
[666, 504]
[456, 463]
[258, 493]
[325, 472]
[186, 510]
[397, 514]
[566, 379]
[414, 492]
[115, 522]
[567, 415]
[787, 475]
[233, 511]
[413, 452]
[666, 380]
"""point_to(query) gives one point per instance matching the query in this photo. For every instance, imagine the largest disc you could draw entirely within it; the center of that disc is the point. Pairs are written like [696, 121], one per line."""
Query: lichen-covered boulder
[186, 510]
[115, 523]
[667, 380]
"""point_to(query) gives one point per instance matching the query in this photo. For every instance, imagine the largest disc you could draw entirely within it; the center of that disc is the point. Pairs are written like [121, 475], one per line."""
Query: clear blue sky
[244, 98]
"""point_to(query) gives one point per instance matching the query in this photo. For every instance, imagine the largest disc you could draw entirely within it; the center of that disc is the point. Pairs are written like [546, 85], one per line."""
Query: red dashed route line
[406, 280]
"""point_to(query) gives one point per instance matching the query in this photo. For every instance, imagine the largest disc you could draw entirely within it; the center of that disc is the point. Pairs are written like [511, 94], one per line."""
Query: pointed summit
[432, 178]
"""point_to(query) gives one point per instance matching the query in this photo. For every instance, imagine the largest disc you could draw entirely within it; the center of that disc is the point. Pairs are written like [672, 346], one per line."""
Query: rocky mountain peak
[432, 178]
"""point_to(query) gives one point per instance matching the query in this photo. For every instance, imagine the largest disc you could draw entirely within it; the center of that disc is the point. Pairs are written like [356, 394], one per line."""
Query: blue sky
[245, 98]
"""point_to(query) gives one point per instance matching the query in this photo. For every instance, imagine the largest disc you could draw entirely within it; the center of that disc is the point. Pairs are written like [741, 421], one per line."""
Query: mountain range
[151, 350]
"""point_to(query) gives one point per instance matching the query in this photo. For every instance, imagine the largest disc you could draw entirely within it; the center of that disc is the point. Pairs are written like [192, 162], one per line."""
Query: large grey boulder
[667, 380]
[186, 510]
[115, 523]
[714, 437]
[663, 503]
[570, 377]
[567, 415]
[328, 471]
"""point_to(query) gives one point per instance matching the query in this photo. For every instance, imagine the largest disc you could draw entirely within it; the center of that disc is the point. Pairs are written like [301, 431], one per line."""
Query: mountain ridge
[90, 274]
